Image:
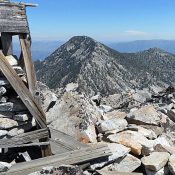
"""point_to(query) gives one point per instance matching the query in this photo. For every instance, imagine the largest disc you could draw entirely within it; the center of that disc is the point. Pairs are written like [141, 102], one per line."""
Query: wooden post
[32, 82]
[7, 47]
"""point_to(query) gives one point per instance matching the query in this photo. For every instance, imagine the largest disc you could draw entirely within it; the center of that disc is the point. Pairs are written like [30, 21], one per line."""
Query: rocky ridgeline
[138, 127]
[15, 119]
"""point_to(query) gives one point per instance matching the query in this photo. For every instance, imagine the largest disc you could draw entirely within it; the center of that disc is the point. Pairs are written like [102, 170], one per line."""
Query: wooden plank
[21, 4]
[32, 82]
[6, 40]
[14, 29]
[21, 139]
[22, 91]
[104, 172]
[13, 19]
[30, 71]
[70, 158]
[32, 144]
[61, 142]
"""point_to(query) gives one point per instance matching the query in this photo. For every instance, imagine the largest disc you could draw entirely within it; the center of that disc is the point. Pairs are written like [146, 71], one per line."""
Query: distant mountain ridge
[42, 49]
[98, 68]
[141, 45]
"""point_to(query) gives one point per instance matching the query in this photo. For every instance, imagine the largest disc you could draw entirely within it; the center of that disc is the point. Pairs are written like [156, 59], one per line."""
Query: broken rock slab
[132, 139]
[128, 163]
[147, 133]
[3, 81]
[88, 135]
[2, 90]
[4, 166]
[141, 96]
[117, 150]
[162, 171]
[144, 115]
[22, 117]
[6, 123]
[114, 114]
[112, 124]
[156, 160]
[76, 113]
[3, 133]
[171, 164]
[13, 107]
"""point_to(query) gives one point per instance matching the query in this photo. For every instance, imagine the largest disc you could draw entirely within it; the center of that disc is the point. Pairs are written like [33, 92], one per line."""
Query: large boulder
[76, 115]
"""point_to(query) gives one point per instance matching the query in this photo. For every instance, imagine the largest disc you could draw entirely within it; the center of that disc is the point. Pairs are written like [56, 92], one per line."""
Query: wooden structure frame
[13, 21]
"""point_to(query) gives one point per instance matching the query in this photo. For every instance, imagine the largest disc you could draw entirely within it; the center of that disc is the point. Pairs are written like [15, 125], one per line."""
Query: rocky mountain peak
[97, 68]
[156, 51]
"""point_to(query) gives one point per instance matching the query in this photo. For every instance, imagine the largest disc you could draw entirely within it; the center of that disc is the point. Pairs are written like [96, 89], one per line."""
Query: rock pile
[138, 126]
[15, 119]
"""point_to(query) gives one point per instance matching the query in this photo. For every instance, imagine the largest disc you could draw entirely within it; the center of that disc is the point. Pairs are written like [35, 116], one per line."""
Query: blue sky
[104, 20]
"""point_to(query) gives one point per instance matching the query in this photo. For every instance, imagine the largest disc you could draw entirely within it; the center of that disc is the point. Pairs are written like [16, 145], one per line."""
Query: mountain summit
[97, 68]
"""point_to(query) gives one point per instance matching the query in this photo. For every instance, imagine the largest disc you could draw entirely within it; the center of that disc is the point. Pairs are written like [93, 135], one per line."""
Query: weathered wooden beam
[13, 19]
[30, 71]
[70, 158]
[32, 81]
[61, 142]
[22, 91]
[105, 172]
[18, 4]
[22, 139]
[6, 39]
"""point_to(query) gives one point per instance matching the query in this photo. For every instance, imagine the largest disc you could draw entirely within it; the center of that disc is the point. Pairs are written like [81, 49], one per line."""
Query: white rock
[132, 139]
[4, 166]
[3, 133]
[163, 171]
[141, 96]
[6, 123]
[147, 133]
[112, 124]
[2, 90]
[71, 87]
[89, 135]
[3, 81]
[156, 160]
[117, 150]
[9, 106]
[128, 163]
[12, 60]
[105, 108]
[21, 117]
[171, 164]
